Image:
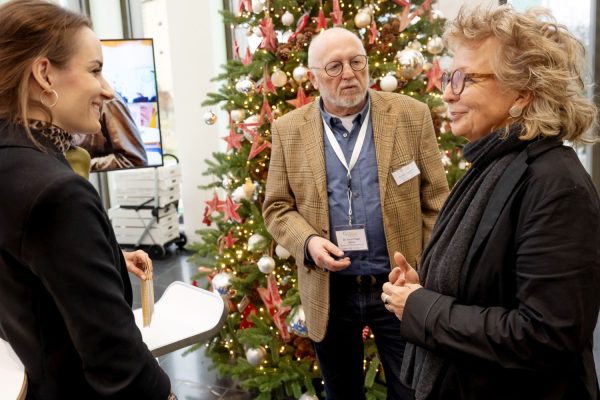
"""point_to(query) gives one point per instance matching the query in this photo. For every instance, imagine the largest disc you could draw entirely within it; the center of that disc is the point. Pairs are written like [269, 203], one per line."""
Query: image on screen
[130, 136]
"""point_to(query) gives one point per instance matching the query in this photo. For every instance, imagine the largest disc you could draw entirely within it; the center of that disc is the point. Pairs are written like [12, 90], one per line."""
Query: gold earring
[515, 111]
[49, 92]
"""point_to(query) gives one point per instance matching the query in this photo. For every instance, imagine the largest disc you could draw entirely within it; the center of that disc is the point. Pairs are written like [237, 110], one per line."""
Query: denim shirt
[366, 204]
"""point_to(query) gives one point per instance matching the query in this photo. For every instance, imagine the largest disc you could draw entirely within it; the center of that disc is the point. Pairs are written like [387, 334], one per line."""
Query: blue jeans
[340, 354]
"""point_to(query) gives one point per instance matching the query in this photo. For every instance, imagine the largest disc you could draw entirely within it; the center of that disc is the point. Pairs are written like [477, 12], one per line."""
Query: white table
[13, 380]
[183, 316]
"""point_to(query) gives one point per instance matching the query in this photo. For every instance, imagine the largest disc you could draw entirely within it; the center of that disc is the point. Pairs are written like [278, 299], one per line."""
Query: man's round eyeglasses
[457, 80]
[335, 68]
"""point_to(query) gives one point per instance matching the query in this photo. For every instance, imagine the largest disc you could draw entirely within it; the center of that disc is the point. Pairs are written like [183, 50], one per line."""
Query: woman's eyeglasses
[457, 80]
[335, 68]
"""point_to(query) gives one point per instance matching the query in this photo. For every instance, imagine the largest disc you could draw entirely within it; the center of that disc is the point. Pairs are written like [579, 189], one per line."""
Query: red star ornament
[230, 240]
[234, 140]
[373, 32]
[267, 29]
[230, 210]
[403, 3]
[266, 85]
[301, 99]
[434, 77]
[265, 110]
[245, 4]
[258, 145]
[405, 18]
[336, 15]
[214, 204]
[301, 24]
[321, 21]
[270, 296]
[248, 57]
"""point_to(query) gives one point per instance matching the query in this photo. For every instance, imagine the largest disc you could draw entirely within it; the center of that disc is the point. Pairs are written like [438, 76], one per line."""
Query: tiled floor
[191, 378]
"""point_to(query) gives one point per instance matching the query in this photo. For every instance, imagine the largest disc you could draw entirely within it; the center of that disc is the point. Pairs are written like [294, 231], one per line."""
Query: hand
[395, 297]
[138, 262]
[321, 250]
[403, 273]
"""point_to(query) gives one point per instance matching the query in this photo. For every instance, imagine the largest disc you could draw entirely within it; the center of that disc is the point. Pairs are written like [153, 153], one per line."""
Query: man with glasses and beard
[353, 178]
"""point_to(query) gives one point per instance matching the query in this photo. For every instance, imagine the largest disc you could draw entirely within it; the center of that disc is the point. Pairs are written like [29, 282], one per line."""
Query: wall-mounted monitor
[130, 136]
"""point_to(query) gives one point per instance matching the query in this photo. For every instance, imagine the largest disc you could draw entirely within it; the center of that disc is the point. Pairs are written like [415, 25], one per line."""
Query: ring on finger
[386, 298]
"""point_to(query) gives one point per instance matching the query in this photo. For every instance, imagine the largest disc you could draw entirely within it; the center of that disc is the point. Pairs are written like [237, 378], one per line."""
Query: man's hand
[403, 273]
[323, 252]
[138, 262]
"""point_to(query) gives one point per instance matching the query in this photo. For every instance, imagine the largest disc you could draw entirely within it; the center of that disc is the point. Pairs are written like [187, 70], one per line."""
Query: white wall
[197, 45]
[449, 8]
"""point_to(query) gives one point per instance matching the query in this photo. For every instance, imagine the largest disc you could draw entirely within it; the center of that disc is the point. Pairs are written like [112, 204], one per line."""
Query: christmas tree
[264, 344]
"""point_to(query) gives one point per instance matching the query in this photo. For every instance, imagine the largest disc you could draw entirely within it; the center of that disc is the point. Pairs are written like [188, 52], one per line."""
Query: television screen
[130, 135]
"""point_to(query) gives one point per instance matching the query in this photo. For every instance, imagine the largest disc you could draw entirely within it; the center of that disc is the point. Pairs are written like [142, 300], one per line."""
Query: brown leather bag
[118, 144]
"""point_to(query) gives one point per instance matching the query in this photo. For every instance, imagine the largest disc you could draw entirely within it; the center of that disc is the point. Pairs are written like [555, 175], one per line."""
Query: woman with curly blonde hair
[506, 299]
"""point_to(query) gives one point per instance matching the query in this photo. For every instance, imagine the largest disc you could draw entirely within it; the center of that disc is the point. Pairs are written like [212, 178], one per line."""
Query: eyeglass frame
[449, 77]
[364, 56]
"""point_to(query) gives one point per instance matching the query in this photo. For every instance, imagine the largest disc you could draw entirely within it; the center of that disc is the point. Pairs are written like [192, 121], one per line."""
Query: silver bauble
[209, 118]
[258, 6]
[287, 18]
[256, 242]
[362, 19]
[253, 119]
[227, 182]
[266, 264]
[410, 63]
[282, 252]
[300, 73]
[245, 85]
[279, 78]
[238, 115]
[388, 83]
[297, 322]
[256, 355]
[435, 45]
[308, 396]
[221, 283]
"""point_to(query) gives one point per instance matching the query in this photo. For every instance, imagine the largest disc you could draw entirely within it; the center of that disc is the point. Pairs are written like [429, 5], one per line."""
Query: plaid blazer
[296, 204]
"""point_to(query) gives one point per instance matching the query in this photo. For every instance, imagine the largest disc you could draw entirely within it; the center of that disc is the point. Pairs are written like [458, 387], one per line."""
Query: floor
[191, 378]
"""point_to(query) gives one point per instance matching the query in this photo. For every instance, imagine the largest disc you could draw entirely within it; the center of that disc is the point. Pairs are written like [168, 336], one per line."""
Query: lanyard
[355, 153]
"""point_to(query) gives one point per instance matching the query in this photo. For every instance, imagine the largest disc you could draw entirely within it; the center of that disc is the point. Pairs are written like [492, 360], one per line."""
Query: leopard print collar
[59, 138]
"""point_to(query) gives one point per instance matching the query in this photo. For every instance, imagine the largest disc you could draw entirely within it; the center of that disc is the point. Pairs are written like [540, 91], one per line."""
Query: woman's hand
[395, 297]
[138, 262]
[403, 273]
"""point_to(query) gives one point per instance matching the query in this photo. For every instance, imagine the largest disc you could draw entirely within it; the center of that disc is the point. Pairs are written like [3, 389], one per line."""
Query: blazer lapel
[383, 135]
[311, 133]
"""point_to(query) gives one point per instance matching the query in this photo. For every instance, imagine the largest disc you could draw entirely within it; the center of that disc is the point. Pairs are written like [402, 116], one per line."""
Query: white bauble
[256, 355]
[253, 119]
[238, 115]
[435, 45]
[308, 396]
[258, 6]
[388, 83]
[239, 194]
[256, 242]
[227, 182]
[436, 14]
[221, 283]
[279, 78]
[410, 63]
[282, 252]
[297, 322]
[362, 19]
[287, 18]
[300, 73]
[245, 85]
[266, 264]
[209, 118]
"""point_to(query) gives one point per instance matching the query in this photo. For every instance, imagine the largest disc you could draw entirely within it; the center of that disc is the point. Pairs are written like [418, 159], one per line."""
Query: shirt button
[345, 135]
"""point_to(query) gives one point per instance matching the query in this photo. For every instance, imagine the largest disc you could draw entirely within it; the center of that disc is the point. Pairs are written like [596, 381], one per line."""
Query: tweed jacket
[296, 204]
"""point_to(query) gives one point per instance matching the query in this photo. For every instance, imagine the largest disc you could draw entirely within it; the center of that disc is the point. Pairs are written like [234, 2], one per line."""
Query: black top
[65, 295]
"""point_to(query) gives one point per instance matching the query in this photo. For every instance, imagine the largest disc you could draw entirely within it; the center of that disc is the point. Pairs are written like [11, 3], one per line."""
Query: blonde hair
[538, 55]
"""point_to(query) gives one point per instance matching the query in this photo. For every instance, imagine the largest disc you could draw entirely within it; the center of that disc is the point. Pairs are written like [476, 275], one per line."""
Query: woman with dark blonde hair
[506, 299]
[65, 295]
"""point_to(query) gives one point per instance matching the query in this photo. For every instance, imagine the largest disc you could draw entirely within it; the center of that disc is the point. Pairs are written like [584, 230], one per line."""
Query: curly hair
[538, 55]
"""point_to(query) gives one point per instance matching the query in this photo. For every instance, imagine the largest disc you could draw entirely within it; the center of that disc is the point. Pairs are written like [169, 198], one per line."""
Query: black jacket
[522, 324]
[65, 295]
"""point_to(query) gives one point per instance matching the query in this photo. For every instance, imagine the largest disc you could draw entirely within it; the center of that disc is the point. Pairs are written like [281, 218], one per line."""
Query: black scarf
[451, 238]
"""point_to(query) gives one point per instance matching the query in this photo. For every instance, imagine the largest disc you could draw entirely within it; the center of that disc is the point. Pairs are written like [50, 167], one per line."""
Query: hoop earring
[515, 111]
[51, 92]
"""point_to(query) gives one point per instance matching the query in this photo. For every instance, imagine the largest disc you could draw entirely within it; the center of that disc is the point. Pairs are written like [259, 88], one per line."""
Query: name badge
[351, 238]
[405, 173]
